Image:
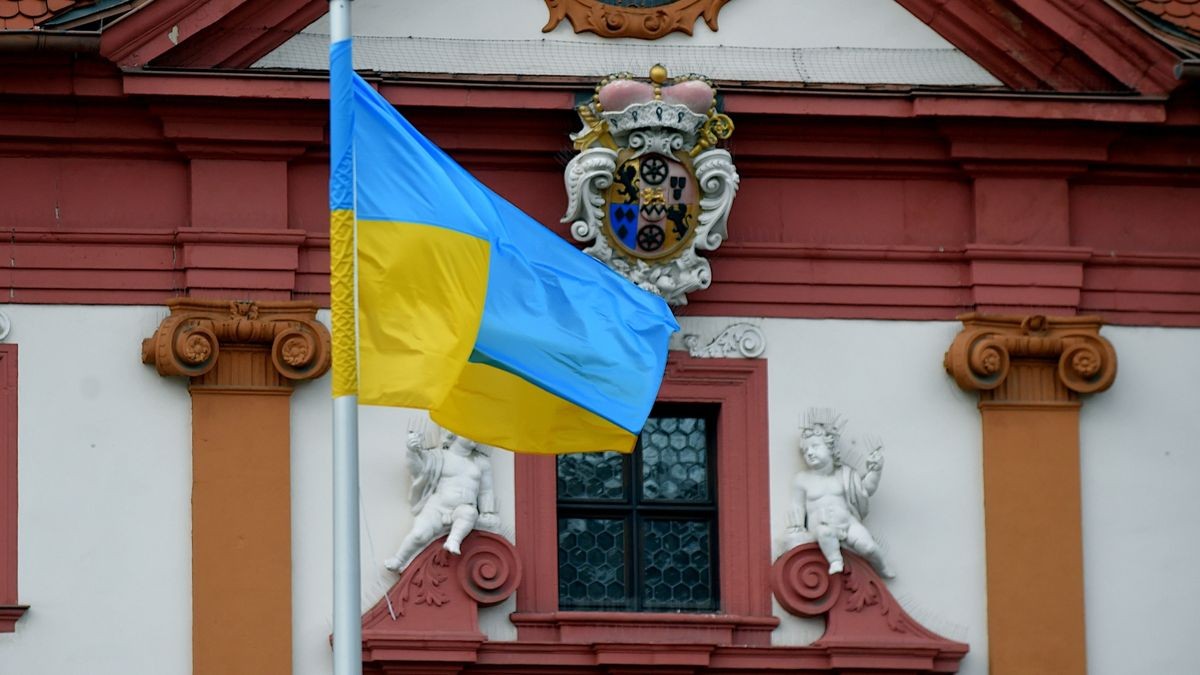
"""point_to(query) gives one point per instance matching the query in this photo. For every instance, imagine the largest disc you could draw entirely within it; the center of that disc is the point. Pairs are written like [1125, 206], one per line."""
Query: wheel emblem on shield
[653, 209]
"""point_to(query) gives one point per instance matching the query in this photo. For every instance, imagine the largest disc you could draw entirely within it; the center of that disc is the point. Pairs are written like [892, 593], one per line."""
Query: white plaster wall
[104, 483]
[104, 520]
[829, 41]
[750, 23]
[1140, 458]
[886, 379]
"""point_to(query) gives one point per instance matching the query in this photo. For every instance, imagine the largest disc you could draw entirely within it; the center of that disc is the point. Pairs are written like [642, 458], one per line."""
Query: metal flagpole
[347, 606]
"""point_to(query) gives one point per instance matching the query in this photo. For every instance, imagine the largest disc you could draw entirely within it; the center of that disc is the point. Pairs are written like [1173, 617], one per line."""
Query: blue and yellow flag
[468, 307]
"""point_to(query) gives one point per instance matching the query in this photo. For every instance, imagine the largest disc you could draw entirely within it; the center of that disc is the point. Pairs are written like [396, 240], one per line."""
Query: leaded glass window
[639, 532]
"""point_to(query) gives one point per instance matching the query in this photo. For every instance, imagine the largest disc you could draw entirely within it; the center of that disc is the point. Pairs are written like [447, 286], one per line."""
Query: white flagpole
[347, 606]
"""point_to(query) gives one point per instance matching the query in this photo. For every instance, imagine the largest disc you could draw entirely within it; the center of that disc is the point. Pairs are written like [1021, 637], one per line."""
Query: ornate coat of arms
[648, 187]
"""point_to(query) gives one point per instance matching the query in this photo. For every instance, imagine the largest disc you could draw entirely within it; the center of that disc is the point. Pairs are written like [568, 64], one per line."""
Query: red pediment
[1069, 46]
[206, 34]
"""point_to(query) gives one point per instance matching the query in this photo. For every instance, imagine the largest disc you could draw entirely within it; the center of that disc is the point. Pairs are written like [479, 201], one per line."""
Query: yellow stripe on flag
[488, 400]
[421, 295]
[341, 301]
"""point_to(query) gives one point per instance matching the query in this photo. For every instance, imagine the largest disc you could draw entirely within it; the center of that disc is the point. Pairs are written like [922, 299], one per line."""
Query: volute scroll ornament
[739, 340]
[649, 189]
[191, 340]
[983, 355]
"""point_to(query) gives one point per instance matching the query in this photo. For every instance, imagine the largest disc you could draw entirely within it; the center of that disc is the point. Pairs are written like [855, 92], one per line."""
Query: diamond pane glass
[675, 459]
[591, 563]
[591, 475]
[678, 565]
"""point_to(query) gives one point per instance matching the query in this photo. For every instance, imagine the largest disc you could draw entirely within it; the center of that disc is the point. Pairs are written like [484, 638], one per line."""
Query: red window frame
[10, 611]
[739, 387]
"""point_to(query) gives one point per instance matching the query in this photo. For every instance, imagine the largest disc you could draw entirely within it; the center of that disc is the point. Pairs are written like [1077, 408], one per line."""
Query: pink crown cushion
[695, 94]
[620, 94]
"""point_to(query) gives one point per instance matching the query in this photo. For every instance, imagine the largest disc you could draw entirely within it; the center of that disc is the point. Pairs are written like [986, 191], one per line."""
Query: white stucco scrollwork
[740, 340]
[588, 175]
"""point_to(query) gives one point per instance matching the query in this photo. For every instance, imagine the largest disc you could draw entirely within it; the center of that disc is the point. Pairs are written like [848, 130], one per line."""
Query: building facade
[953, 221]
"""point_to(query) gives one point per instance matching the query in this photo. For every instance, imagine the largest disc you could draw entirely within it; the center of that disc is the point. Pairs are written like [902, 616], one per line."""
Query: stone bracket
[431, 614]
[861, 616]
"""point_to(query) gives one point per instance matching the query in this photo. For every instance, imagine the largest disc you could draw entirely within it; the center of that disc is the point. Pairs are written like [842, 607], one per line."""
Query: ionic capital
[1031, 359]
[239, 345]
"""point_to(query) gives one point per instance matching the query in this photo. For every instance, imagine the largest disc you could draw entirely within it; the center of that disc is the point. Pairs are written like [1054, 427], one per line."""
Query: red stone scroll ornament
[431, 614]
[609, 18]
[864, 625]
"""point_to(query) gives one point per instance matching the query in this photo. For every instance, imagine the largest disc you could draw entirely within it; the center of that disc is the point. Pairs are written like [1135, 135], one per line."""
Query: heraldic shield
[653, 204]
[649, 188]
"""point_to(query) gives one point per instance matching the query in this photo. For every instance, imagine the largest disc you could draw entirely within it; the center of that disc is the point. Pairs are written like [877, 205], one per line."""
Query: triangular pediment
[1092, 46]
[1060, 45]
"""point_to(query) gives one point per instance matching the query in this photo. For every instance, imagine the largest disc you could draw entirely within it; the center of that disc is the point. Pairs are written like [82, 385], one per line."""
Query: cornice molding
[9, 615]
[237, 346]
[1031, 360]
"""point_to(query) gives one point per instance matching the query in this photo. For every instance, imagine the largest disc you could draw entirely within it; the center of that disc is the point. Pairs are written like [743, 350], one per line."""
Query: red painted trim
[630, 658]
[739, 386]
[1109, 38]
[1021, 53]
[149, 31]
[10, 611]
[192, 27]
[902, 104]
[771, 280]
[245, 35]
[1062, 45]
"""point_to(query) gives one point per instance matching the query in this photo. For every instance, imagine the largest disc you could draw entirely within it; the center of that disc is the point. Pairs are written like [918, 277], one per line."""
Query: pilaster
[242, 360]
[1029, 372]
[238, 234]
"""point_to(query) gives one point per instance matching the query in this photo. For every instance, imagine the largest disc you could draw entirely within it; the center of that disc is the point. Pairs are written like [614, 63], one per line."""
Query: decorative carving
[5, 326]
[451, 493]
[740, 340]
[1031, 359]
[830, 499]
[643, 19]
[197, 333]
[423, 585]
[432, 611]
[863, 591]
[648, 188]
[802, 583]
[860, 612]
[487, 571]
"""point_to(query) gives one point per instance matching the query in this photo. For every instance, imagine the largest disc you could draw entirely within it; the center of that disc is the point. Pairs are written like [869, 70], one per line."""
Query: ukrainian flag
[468, 307]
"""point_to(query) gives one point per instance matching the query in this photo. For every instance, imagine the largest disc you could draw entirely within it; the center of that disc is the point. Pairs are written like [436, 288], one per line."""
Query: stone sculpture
[451, 492]
[830, 499]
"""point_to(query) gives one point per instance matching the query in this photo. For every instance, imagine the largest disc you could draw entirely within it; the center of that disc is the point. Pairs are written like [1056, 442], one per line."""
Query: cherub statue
[451, 492]
[830, 498]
